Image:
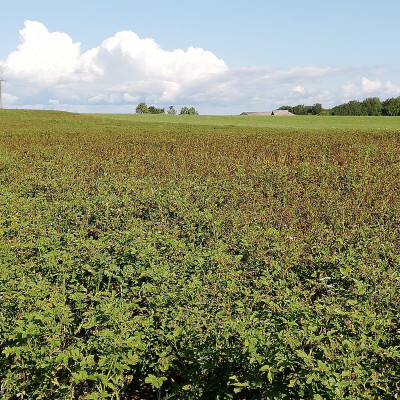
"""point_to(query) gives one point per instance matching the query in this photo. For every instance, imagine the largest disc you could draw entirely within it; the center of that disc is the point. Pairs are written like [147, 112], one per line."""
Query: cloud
[8, 98]
[49, 69]
[128, 98]
[391, 89]
[370, 85]
[123, 68]
[298, 89]
[370, 88]
[42, 55]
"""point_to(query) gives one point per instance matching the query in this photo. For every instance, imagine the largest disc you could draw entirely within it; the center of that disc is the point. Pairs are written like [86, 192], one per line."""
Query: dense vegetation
[371, 106]
[198, 258]
[142, 108]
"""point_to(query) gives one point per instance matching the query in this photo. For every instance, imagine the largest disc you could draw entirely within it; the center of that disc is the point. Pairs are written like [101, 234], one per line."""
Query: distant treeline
[370, 106]
[143, 109]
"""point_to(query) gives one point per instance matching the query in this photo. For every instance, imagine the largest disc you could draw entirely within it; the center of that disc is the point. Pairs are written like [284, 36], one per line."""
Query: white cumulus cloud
[50, 69]
[123, 68]
[298, 89]
[370, 85]
[8, 98]
[370, 88]
[42, 55]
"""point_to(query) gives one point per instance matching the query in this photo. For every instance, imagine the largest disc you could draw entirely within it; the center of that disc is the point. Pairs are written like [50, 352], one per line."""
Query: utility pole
[1, 103]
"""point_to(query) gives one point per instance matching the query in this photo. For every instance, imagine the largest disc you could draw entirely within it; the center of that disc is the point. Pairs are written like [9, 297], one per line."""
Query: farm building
[256, 113]
[281, 113]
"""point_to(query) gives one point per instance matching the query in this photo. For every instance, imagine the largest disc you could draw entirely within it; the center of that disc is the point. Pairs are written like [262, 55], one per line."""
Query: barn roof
[256, 113]
[282, 113]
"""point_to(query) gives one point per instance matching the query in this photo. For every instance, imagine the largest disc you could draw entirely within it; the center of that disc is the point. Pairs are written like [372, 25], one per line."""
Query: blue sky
[222, 57]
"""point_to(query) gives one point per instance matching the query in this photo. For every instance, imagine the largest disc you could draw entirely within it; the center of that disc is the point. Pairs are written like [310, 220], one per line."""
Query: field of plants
[190, 257]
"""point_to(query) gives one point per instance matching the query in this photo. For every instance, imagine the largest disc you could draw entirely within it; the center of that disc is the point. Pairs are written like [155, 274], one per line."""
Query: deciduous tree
[391, 107]
[171, 110]
[155, 110]
[372, 106]
[188, 111]
[142, 109]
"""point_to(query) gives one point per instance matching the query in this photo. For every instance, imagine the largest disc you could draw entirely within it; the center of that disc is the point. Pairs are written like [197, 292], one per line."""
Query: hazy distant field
[199, 257]
[297, 122]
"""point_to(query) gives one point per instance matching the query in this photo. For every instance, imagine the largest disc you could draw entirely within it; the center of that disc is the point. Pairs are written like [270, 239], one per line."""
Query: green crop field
[172, 257]
[283, 123]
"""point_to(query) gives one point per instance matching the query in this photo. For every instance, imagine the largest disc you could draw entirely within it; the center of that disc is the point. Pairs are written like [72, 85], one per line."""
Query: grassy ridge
[198, 258]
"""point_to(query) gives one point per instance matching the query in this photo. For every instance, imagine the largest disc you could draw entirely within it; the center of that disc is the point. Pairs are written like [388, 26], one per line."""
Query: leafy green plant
[210, 258]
